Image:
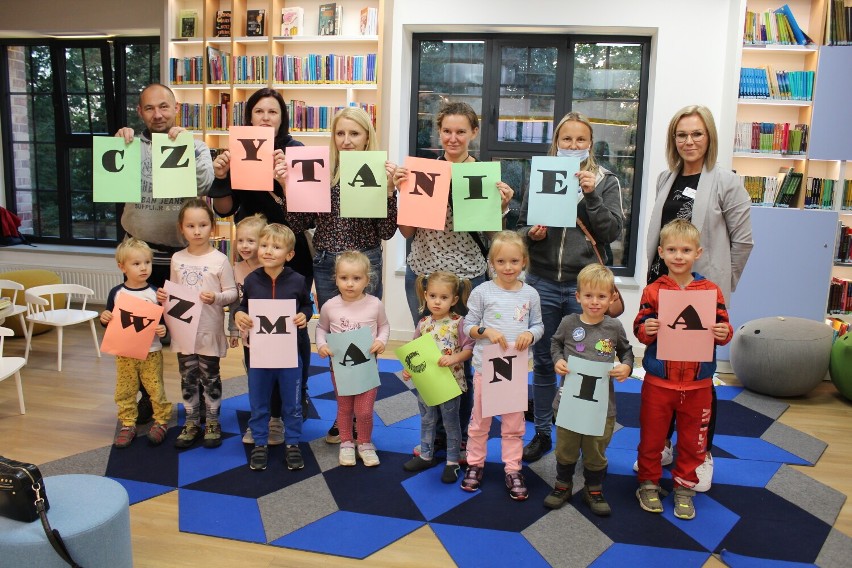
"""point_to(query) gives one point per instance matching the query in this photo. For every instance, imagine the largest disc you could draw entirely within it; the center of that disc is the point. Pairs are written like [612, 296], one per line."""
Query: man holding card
[154, 220]
[676, 387]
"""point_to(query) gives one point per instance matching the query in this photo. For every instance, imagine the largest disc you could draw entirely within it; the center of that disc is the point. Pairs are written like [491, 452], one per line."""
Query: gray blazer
[722, 213]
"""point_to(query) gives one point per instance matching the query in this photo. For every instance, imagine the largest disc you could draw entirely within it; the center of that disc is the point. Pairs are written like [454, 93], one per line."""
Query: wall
[694, 59]
[124, 17]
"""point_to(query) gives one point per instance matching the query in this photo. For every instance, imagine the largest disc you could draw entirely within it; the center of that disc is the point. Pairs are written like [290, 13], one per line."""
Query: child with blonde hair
[352, 309]
[443, 293]
[134, 258]
[505, 311]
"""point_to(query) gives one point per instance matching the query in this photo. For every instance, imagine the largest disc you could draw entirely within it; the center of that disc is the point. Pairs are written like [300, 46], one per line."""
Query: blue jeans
[557, 301]
[449, 411]
[324, 274]
[260, 383]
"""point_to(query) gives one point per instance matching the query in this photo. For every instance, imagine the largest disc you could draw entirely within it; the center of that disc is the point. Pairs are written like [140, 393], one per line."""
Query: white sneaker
[367, 453]
[347, 454]
[247, 437]
[666, 458]
[276, 431]
[705, 474]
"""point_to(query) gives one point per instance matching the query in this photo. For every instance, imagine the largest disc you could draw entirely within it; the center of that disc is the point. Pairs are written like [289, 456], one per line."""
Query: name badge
[689, 192]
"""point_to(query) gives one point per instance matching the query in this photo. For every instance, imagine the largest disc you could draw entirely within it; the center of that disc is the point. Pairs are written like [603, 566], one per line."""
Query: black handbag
[23, 498]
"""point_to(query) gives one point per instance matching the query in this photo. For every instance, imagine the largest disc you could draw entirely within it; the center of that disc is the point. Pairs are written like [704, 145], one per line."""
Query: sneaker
[705, 474]
[472, 478]
[367, 453]
[144, 410]
[333, 435]
[538, 446]
[259, 458]
[666, 458]
[212, 435]
[683, 507]
[124, 437]
[516, 486]
[417, 463]
[347, 454]
[593, 497]
[649, 497]
[293, 458]
[560, 495]
[188, 435]
[247, 437]
[276, 431]
[450, 473]
[157, 434]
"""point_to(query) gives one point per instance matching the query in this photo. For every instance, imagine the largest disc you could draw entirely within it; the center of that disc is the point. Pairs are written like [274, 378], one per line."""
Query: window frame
[491, 149]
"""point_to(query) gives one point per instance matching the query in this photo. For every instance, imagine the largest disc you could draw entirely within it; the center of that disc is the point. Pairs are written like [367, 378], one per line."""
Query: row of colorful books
[768, 137]
[218, 66]
[188, 116]
[773, 27]
[838, 24]
[186, 70]
[819, 193]
[763, 83]
[216, 116]
[302, 117]
[846, 201]
[251, 68]
[840, 296]
[314, 68]
[310, 118]
[774, 191]
[844, 245]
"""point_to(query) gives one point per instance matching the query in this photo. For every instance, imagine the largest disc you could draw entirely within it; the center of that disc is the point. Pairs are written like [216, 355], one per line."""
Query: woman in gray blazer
[714, 200]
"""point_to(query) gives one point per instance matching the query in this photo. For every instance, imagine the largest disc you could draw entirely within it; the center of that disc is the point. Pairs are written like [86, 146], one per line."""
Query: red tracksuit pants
[691, 409]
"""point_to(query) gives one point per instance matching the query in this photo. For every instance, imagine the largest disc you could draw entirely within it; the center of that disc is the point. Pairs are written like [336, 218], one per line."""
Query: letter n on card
[435, 384]
[272, 339]
[424, 195]
[585, 397]
[686, 325]
[131, 330]
[308, 185]
[251, 157]
[504, 380]
[182, 313]
[355, 368]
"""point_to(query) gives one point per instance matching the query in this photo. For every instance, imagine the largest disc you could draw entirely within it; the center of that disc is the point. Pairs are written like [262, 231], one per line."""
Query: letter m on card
[504, 380]
[273, 335]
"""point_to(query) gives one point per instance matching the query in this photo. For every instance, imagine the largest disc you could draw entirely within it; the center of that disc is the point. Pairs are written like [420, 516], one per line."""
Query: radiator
[100, 281]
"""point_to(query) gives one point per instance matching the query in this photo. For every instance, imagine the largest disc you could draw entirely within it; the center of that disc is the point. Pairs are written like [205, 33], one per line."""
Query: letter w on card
[504, 380]
[273, 334]
[131, 330]
[182, 313]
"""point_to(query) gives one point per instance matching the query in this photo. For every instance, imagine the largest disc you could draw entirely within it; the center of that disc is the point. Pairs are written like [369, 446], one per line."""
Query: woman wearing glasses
[713, 198]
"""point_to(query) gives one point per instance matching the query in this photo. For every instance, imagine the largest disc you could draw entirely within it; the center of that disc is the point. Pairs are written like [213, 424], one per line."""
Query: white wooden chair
[41, 309]
[12, 366]
[14, 309]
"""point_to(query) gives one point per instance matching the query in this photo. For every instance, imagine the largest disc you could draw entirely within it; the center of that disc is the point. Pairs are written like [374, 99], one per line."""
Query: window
[521, 86]
[54, 96]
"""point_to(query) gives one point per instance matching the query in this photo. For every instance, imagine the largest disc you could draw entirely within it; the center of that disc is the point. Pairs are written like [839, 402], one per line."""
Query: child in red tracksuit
[682, 388]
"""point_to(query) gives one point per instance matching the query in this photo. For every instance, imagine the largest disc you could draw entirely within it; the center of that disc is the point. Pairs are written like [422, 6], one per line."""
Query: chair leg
[95, 337]
[29, 335]
[24, 329]
[59, 349]
[20, 392]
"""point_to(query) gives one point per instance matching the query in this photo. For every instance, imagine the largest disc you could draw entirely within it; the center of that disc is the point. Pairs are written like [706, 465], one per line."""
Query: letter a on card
[585, 397]
[355, 368]
[273, 334]
[553, 191]
[173, 166]
[116, 170]
[363, 184]
[476, 199]
[182, 313]
[424, 195]
[308, 185]
[131, 330]
[251, 157]
[504, 380]
[686, 318]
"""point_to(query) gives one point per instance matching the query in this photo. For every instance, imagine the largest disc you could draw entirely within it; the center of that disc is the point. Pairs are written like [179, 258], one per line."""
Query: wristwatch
[481, 331]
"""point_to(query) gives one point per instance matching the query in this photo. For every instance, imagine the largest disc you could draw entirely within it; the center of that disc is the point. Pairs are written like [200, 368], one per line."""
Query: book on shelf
[777, 26]
[292, 21]
[369, 21]
[218, 66]
[328, 19]
[838, 23]
[222, 24]
[187, 23]
[819, 193]
[765, 83]
[844, 245]
[255, 23]
[789, 187]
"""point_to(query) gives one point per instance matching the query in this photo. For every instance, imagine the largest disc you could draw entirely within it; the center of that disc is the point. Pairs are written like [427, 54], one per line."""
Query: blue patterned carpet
[759, 512]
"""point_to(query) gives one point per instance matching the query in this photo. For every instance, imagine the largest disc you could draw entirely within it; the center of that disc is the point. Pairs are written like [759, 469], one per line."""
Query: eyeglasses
[697, 136]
